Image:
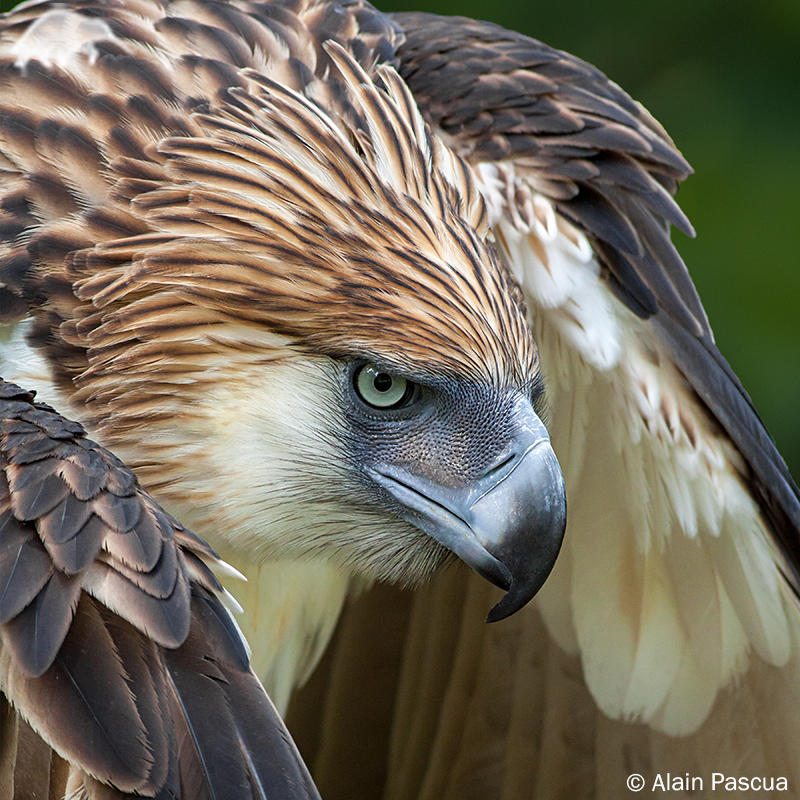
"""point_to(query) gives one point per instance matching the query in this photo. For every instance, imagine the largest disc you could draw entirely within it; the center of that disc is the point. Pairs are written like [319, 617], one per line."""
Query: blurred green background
[723, 77]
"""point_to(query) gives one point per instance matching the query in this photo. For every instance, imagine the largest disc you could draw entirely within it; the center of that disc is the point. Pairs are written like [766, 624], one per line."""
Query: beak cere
[507, 525]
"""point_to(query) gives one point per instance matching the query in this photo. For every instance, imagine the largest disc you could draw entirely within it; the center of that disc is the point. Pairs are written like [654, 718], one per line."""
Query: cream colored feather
[671, 580]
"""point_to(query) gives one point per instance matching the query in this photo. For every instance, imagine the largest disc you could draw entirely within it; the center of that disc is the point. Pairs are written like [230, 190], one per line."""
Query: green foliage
[722, 77]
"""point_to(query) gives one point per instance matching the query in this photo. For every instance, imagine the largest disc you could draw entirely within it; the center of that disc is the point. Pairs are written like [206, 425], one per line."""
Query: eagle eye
[380, 389]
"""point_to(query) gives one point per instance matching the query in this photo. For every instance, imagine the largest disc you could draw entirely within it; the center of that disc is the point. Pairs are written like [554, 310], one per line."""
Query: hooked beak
[507, 525]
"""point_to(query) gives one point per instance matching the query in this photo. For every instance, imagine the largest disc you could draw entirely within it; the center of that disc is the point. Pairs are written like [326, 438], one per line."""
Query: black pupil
[383, 382]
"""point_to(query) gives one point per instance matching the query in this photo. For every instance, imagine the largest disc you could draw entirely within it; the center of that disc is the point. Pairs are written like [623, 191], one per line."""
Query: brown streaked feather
[102, 93]
[288, 198]
[115, 647]
[274, 202]
[280, 210]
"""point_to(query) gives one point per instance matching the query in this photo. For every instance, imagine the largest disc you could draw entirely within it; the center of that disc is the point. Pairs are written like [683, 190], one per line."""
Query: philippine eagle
[320, 276]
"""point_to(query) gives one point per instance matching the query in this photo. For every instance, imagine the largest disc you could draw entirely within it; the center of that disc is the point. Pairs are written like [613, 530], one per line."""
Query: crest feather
[329, 226]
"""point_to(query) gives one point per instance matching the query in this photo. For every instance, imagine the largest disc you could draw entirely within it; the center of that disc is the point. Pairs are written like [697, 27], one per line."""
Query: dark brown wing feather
[115, 647]
[612, 170]
[579, 140]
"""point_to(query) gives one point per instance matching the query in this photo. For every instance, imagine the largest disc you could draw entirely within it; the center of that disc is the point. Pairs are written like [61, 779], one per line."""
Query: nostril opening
[504, 463]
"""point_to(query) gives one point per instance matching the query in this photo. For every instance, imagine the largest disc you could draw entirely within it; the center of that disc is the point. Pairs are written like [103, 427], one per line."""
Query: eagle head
[328, 356]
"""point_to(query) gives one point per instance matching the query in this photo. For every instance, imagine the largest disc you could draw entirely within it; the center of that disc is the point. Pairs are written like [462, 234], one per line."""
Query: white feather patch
[61, 38]
[27, 367]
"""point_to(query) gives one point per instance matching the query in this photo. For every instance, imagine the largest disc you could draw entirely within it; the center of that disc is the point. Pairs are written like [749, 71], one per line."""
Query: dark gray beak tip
[536, 500]
[519, 595]
[505, 608]
[524, 584]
